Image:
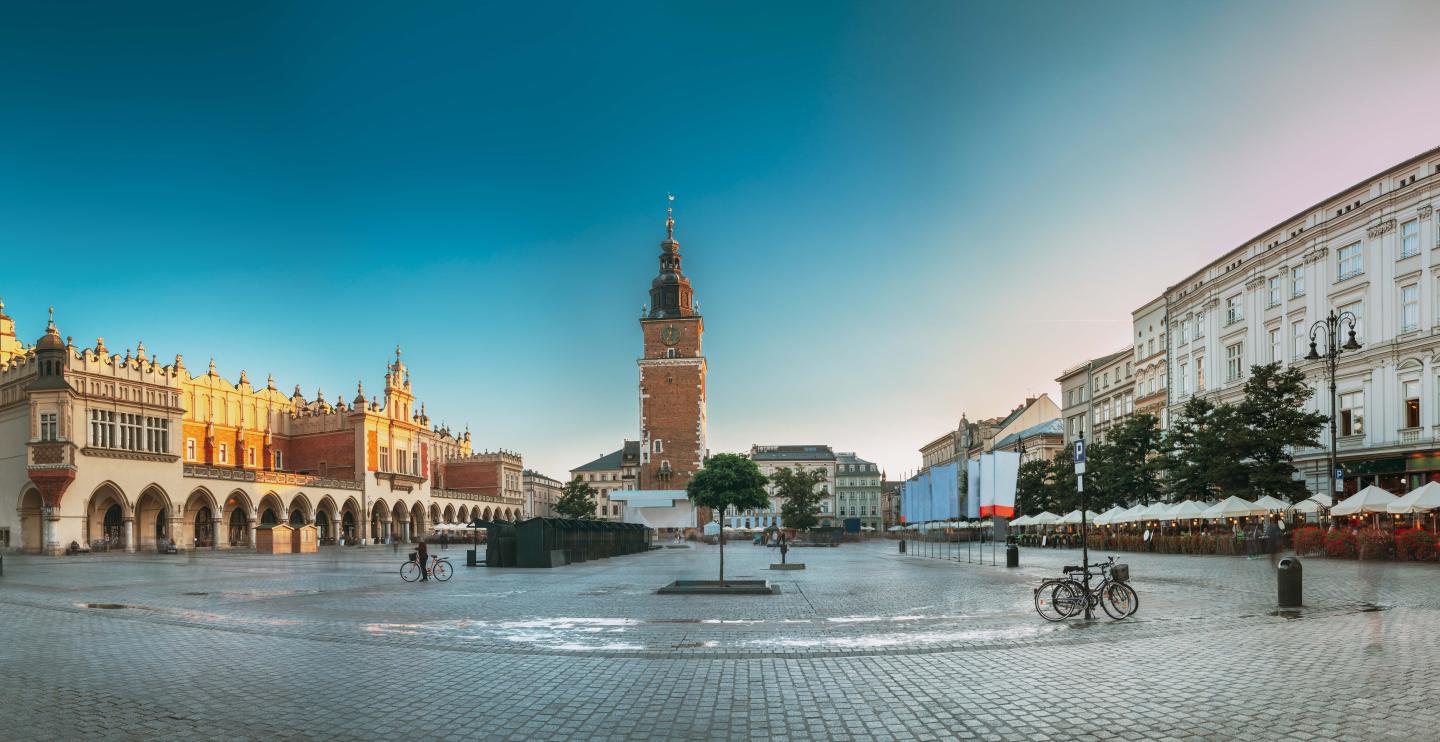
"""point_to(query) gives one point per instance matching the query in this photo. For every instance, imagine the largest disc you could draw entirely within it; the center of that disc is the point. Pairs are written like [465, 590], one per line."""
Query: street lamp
[1330, 326]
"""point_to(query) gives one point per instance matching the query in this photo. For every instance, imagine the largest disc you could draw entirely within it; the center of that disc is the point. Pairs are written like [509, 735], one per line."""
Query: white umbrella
[1271, 504]
[1187, 510]
[1232, 507]
[1154, 511]
[1073, 518]
[1043, 518]
[1022, 520]
[1105, 518]
[1130, 516]
[893, 529]
[1372, 499]
[1420, 500]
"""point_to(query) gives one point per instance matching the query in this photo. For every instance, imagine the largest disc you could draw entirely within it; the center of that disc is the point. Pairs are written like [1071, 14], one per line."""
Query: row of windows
[222, 456]
[128, 431]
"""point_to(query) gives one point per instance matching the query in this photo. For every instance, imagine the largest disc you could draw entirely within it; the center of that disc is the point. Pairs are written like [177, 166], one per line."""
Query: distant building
[1112, 390]
[1152, 392]
[1039, 442]
[1079, 385]
[857, 490]
[616, 471]
[771, 459]
[890, 502]
[541, 494]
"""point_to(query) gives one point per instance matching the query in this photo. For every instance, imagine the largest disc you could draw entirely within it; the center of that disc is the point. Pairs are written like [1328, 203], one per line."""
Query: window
[384, 458]
[1274, 291]
[157, 435]
[1150, 347]
[1200, 325]
[102, 429]
[1276, 349]
[401, 461]
[669, 352]
[1297, 281]
[659, 446]
[250, 456]
[223, 457]
[1184, 378]
[1410, 238]
[1411, 390]
[415, 462]
[1129, 403]
[190, 449]
[1184, 331]
[1234, 361]
[1350, 261]
[1409, 308]
[1356, 308]
[49, 426]
[131, 431]
[1199, 374]
[1298, 339]
[279, 461]
[1234, 309]
[1352, 413]
[324, 469]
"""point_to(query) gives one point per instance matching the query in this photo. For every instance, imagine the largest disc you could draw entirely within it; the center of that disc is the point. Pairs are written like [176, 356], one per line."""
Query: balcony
[1350, 442]
[1411, 435]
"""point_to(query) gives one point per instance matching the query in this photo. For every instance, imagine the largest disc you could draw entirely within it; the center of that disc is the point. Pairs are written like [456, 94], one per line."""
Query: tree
[800, 506]
[727, 480]
[1063, 496]
[1131, 465]
[1275, 423]
[577, 500]
[1205, 451]
[1032, 487]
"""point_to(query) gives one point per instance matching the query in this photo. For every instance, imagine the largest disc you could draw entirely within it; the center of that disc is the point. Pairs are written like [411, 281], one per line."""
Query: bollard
[1288, 574]
[902, 546]
[1012, 556]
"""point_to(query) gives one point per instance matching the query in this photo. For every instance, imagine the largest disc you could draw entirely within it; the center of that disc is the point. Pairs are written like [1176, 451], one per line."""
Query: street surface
[865, 643]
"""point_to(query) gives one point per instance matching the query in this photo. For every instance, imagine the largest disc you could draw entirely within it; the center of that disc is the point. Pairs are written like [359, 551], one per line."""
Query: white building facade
[1372, 250]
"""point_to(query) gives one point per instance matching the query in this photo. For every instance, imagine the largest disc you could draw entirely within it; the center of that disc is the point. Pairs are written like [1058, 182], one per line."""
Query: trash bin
[1012, 556]
[470, 560]
[902, 546]
[1288, 574]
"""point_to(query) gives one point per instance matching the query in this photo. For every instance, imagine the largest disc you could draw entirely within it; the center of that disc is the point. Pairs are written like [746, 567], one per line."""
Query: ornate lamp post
[1329, 329]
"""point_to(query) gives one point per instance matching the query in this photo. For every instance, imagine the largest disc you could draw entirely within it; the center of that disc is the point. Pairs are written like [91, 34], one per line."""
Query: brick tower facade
[672, 377]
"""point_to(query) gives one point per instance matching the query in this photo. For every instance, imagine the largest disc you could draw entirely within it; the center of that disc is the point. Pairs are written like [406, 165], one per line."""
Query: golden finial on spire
[670, 216]
[51, 325]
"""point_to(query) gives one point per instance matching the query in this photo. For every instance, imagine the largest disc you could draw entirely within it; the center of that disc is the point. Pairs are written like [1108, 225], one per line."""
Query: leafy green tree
[1063, 497]
[1275, 422]
[728, 480]
[1131, 462]
[1032, 487]
[577, 500]
[800, 506]
[1205, 451]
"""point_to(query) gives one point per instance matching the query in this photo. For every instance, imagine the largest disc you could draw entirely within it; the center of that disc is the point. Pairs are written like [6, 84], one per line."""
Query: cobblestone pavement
[865, 643]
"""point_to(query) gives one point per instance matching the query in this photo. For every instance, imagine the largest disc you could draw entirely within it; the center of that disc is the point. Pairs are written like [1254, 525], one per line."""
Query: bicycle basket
[1120, 573]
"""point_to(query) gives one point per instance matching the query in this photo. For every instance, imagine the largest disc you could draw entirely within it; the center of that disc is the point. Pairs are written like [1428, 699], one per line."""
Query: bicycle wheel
[443, 570]
[1119, 600]
[1054, 600]
[409, 571]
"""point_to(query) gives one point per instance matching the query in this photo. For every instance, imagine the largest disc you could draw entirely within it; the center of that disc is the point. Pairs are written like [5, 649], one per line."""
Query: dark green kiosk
[555, 542]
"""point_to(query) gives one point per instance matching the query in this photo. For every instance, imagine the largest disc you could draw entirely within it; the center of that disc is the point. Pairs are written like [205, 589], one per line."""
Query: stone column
[254, 525]
[50, 525]
[338, 534]
[129, 534]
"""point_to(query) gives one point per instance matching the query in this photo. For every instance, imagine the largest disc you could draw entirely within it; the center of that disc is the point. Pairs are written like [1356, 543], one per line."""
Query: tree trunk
[721, 520]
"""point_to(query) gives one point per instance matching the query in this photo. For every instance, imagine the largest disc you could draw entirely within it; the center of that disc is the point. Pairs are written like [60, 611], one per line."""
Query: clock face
[670, 335]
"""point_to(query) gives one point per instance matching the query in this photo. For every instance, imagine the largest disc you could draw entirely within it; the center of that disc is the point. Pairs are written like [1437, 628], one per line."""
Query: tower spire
[670, 217]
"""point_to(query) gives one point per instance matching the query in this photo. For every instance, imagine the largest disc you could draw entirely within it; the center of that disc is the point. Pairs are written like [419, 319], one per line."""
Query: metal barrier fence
[972, 546]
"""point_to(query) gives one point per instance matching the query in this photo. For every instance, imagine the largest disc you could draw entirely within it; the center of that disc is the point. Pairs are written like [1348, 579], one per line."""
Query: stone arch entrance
[271, 510]
[107, 519]
[201, 517]
[237, 519]
[449, 514]
[486, 517]
[350, 520]
[325, 520]
[32, 522]
[400, 522]
[299, 510]
[419, 526]
[380, 522]
[152, 518]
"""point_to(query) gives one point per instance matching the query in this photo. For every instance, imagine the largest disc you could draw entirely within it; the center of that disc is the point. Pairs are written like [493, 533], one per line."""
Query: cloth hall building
[109, 451]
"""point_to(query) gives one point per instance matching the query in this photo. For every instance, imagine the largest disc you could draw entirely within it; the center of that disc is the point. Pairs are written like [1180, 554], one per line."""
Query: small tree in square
[801, 506]
[728, 480]
[577, 500]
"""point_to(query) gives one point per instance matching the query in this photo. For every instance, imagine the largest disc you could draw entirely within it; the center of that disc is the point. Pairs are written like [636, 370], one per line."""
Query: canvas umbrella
[1420, 500]
[1372, 500]
[1107, 517]
[1232, 507]
[1130, 516]
[1022, 520]
[1272, 504]
[1043, 518]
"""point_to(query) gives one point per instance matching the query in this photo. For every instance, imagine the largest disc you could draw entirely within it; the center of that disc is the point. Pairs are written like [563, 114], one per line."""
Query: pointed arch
[420, 524]
[350, 520]
[449, 514]
[199, 519]
[270, 510]
[106, 512]
[32, 525]
[434, 512]
[237, 515]
[487, 513]
[299, 511]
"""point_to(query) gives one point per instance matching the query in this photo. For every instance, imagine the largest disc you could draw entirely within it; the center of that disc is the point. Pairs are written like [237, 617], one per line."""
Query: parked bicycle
[439, 568]
[1059, 598]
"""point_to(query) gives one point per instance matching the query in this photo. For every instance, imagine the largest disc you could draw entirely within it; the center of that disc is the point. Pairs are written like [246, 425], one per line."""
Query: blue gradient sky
[893, 212]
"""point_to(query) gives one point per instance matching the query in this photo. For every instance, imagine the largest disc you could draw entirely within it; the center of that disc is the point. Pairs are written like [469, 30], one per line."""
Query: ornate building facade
[106, 451]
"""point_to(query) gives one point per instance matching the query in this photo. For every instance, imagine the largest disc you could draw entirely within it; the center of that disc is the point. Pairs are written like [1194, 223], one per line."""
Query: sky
[892, 213]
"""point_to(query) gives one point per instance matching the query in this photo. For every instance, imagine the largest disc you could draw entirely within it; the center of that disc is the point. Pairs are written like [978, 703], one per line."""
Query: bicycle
[440, 568]
[1059, 598]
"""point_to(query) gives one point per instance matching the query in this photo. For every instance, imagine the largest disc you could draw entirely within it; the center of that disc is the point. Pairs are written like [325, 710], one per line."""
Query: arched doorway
[347, 526]
[486, 517]
[152, 519]
[236, 517]
[32, 522]
[105, 518]
[449, 513]
[297, 518]
[200, 518]
[400, 522]
[419, 526]
[203, 532]
[271, 511]
[380, 522]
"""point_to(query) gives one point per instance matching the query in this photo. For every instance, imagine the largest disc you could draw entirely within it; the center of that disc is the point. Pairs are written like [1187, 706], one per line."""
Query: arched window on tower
[669, 352]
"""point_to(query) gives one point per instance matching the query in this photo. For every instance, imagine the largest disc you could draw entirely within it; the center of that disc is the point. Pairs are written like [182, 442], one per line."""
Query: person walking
[422, 555]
